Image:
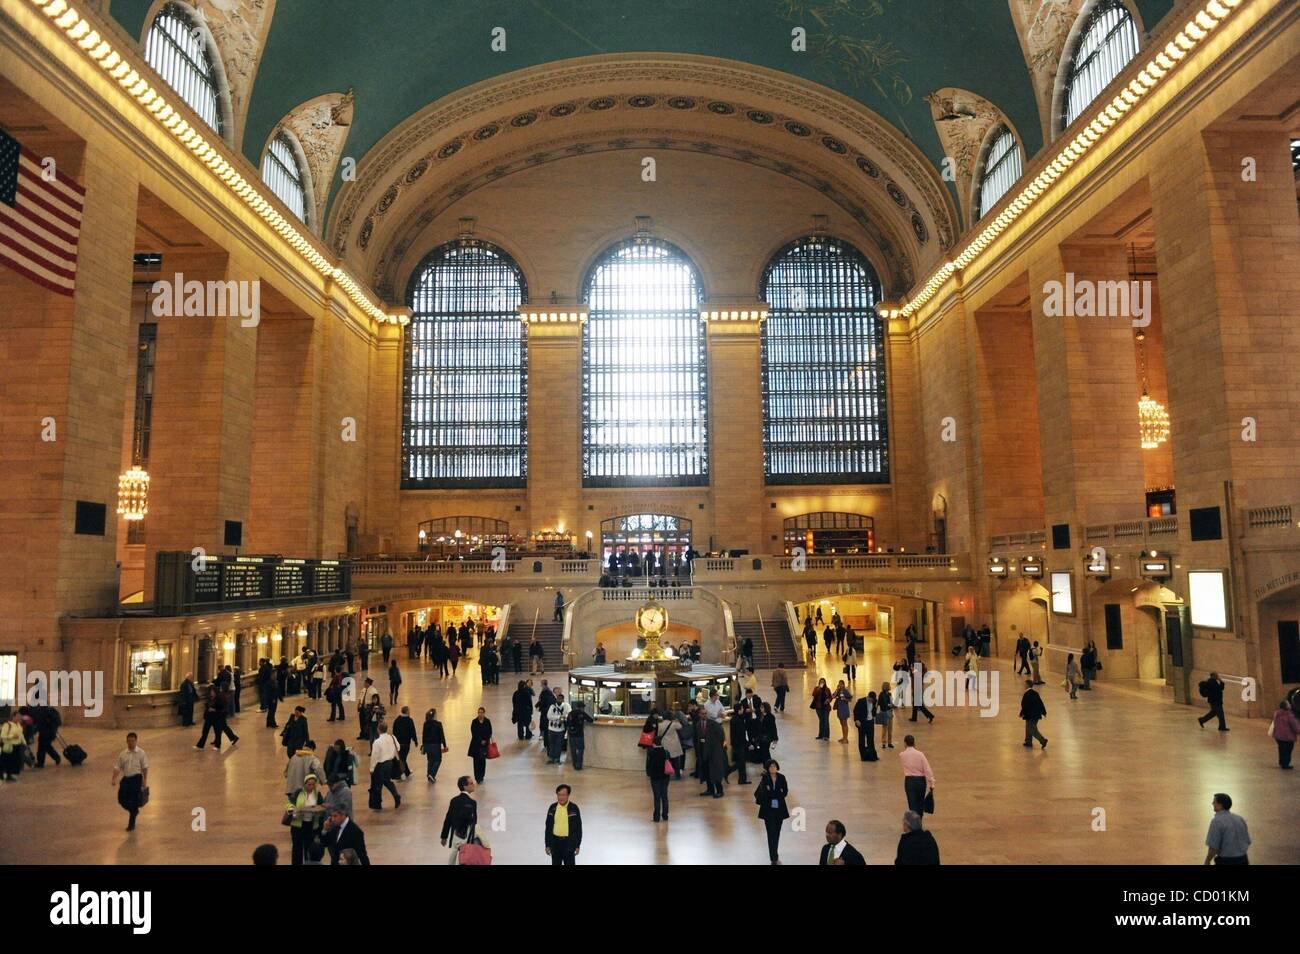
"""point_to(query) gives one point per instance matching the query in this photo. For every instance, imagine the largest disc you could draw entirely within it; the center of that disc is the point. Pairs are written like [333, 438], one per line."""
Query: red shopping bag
[493, 751]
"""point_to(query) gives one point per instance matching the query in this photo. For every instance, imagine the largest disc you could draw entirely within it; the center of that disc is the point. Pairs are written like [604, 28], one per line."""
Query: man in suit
[404, 733]
[342, 833]
[462, 816]
[916, 846]
[563, 833]
[837, 851]
[1031, 710]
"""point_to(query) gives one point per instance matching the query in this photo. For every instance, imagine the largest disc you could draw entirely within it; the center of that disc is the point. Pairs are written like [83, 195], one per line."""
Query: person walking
[453, 651]
[864, 719]
[296, 770]
[521, 710]
[668, 736]
[545, 699]
[480, 742]
[1089, 664]
[295, 733]
[386, 645]
[189, 695]
[1228, 839]
[363, 652]
[917, 673]
[214, 719]
[433, 743]
[306, 811]
[918, 777]
[715, 758]
[563, 834]
[558, 615]
[394, 682]
[972, 668]
[842, 700]
[780, 686]
[340, 762]
[334, 696]
[462, 817]
[1212, 691]
[342, 835]
[13, 742]
[1071, 675]
[1022, 655]
[1035, 661]
[517, 654]
[1284, 730]
[657, 762]
[46, 721]
[131, 776]
[383, 752]
[772, 794]
[837, 851]
[557, 718]
[851, 662]
[821, 704]
[885, 715]
[404, 733]
[916, 846]
[1031, 710]
[536, 657]
[575, 726]
[739, 738]
[767, 735]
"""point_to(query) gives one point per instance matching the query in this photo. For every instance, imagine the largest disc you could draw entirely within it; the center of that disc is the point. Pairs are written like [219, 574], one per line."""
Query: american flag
[39, 220]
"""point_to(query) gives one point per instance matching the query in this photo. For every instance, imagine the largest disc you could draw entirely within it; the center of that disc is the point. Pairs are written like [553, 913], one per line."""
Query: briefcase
[929, 803]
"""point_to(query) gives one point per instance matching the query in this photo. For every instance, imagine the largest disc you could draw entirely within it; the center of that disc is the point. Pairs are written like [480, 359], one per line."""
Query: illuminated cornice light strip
[541, 314]
[101, 52]
[752, 313]
[1197, 29]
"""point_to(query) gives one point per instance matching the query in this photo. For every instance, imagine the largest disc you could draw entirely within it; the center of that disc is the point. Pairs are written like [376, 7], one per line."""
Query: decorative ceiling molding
[848, 133]
[321, 127]
[1043, 27]
[868, 206]
[963, 120]
[239, 28]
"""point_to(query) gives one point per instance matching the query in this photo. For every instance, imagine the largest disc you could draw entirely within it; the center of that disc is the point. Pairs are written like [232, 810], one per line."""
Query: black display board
[186, 583]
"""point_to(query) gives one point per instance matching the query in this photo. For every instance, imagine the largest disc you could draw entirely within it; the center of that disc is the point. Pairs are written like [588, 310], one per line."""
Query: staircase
[778, 641]
[548, 634]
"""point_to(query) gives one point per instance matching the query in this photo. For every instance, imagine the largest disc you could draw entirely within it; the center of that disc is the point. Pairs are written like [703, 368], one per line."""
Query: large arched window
[1000, 167]
[177, 48]
[465, 388]
[644, 385]
[824, 419]
[1108, 41]
[282, 171]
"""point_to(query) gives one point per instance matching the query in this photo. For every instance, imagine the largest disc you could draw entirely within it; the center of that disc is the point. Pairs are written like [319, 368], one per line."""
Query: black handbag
[929, 803]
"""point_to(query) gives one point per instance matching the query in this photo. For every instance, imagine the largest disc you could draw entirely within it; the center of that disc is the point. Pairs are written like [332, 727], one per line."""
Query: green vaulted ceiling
[401, 55]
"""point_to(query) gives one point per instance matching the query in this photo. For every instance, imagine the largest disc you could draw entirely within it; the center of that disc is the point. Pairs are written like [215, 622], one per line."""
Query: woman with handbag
[851, 662]
[480, 743]
[767, 734]
[864, 717]
[821, 703]
[842, 699]
[885, 716]
[771, 796]
[304, 813]
[11, 747]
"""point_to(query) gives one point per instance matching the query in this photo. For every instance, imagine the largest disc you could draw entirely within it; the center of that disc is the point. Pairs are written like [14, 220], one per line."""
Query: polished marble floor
[1125, 749]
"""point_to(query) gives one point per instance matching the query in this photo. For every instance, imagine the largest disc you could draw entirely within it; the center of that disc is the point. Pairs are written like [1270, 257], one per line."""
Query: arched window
[1108, 41]
[465, 386]
[283, 173]
[644, 385]
[177, 49]
[1001, 166]
[824, 419]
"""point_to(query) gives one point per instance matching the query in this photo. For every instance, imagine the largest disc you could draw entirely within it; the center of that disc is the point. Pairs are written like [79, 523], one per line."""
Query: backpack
[1204, 688]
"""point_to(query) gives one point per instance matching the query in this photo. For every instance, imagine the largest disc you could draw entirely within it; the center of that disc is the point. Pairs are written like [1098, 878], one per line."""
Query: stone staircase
[779, 647]
[549, 634]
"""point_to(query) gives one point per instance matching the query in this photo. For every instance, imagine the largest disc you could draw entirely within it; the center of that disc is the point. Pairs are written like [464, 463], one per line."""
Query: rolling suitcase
[74, 753]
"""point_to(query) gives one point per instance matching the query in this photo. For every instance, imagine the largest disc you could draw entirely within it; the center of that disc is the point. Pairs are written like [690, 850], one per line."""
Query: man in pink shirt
[918, 777]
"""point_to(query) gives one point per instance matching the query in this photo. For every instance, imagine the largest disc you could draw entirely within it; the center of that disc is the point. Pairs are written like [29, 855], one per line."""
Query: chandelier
[1153, 421]
[133, 494]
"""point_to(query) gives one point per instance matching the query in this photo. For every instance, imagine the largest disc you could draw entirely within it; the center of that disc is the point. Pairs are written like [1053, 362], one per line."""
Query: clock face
[653, 619]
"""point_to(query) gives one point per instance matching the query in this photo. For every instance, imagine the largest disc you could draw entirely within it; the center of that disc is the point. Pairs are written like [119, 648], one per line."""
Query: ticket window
[149, 667]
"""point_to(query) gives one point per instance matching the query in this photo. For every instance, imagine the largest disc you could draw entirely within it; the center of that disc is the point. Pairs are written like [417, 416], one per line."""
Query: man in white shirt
[714, 708]
[132, 767]
[556, 718]
[382, 754]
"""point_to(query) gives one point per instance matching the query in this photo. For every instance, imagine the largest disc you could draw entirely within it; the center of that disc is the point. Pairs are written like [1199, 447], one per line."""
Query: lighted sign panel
[1208, 595]
[1063, 594]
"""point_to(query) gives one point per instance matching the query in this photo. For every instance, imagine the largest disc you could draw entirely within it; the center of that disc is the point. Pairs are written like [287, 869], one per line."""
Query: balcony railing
[1266, 518]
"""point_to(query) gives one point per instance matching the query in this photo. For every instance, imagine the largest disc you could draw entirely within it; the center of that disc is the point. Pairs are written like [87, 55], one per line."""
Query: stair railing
[731, 647]
[762, 628]
[792, 624]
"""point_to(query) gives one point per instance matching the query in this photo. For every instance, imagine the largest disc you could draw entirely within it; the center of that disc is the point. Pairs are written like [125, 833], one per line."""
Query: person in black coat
[1211, 689]
[189, 696]
[715, 757]
[916, 846]
[480, 737]
[740, 715]
[545, 699]
[295, 733]
[462, 815]
[404, 733]
[656, 771]
[771, 794]
[340, 834]
[832, 854]
[864, 717]
[433, 742]
[521, 710]
[1031, 710]
[563, 849]
[767, 733]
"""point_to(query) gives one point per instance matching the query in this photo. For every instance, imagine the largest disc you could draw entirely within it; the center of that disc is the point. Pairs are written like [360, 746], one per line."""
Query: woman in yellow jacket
[12, 741]
[307, 808]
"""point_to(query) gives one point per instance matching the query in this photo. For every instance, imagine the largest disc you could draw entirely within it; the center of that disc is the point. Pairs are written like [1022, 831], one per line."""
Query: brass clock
[651, 620]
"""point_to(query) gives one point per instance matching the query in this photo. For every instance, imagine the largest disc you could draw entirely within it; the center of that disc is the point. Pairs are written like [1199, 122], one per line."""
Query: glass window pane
[177, 50]
[1107, 43]
[280, 171]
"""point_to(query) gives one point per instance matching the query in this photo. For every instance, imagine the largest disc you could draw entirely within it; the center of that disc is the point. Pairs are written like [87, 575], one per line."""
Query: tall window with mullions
[824, 414]
[1108, 41]
[644, 378]
[465, 384]
[177, 48]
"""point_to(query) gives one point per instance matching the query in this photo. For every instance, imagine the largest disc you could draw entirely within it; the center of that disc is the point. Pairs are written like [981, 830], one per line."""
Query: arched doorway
[665, 535]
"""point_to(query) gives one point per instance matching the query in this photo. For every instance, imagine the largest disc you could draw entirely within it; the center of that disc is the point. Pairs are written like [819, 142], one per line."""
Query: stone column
[555, 427]
[736, 436]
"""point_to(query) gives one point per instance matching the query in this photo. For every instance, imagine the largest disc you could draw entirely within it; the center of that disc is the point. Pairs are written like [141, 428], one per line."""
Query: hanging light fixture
[133, 494]
[1153, 419]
